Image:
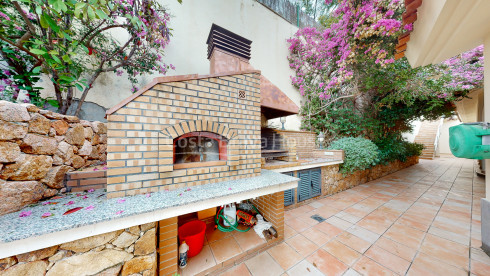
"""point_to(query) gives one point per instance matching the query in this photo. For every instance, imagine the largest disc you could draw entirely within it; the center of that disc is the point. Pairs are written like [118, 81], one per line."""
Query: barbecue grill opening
[196, 149]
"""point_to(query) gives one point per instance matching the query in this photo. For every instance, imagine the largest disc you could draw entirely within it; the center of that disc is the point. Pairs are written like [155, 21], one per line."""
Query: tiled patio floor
[424, 220]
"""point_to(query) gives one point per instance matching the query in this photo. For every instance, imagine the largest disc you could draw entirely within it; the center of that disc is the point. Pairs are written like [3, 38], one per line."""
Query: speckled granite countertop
[95, 208]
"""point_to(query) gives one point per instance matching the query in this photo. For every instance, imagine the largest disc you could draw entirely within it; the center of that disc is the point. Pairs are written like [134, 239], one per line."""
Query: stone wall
[334, 181]
[304, 141]
[37, 148]
[131, 251]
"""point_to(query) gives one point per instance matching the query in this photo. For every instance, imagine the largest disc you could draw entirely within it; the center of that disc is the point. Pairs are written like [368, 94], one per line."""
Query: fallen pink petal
[24, 214]
[70, 203]
[104, 168]
[47, 214]
[91, 190]
[95, 169]
[148, 195]
[85, 197]
[121, 200]
[88, 208]
[46, 203]
[119, 212]
[229, 189]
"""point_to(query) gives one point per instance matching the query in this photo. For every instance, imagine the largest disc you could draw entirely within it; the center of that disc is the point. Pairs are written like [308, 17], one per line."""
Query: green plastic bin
[465, 141]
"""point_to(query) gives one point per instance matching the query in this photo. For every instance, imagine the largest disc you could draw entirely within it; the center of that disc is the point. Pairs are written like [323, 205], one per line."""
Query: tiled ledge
[24, 234]
[309, 165]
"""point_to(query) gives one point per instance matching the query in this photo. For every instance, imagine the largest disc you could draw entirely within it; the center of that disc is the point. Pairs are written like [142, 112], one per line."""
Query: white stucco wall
[444, 136]
[191, 22]
[410, 136]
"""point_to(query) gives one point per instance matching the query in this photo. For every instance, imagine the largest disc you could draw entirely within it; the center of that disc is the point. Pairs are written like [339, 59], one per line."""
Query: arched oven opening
[199, 149]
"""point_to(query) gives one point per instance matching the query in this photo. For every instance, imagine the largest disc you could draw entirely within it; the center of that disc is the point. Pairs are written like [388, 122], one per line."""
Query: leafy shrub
[360, 153]
[393, 148]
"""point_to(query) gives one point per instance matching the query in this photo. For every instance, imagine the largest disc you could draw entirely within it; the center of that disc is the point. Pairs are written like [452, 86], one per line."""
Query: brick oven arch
[167, 136]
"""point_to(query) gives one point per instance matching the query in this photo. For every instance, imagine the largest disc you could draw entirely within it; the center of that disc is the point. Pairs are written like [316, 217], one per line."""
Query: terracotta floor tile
[239, 270]
[425, 265]
[200, 262]
[304, 268]
[341, 204]
[225, 249]
[447, 251]
[302, 245]
[316, 236]
[406, 235]
[284, 255]
[213, 235]
[297, 224]
[339, 223]
[396, 248]
[289, 232]
[354, 242]
[375, 223]
[342, 252]
[263, 265]
[479, 255]
[306, 218]
[348, 217]
[363, 233]
[388, 260]
[479, 268]
[248, 240]
[326, 211]
[328, 229]
[366, 266]
[304, 209]
[316, 204]
[462, 239]
[327, 263]
[358, 211]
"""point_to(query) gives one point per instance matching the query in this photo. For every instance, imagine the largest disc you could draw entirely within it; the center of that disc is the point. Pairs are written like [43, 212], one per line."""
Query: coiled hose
[232, 227]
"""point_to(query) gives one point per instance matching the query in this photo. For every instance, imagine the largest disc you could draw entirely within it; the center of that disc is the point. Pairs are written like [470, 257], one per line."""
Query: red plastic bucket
[193, 234]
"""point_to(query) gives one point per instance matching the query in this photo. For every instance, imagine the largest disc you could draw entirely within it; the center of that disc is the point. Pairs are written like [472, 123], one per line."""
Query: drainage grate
[318, 218]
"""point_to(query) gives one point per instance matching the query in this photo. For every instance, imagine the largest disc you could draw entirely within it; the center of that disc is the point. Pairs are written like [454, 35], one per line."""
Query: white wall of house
[191, 22]
[443, 147]
[410, 136]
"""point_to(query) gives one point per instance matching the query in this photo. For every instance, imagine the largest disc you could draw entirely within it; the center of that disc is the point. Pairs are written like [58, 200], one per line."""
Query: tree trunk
[85, 92]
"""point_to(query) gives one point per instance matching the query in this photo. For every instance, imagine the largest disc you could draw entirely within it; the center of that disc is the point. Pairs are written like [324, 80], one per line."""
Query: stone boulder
[89, 133]
[98, 152]
[64, 154]
[139, 264]
[86, 149]
[13, 112]
[28, 167]
[99, 127]
[37, 268]
[37, 255]
[7, 262]
[9, 152]
[124, 240]
[146, 244]
[55, 176]
[16, 194]
[89, 263]
[85, 244]
[10, 131]
[37, 144]
[39, 124]
[77, 162]
[60, 126]
[75, 135]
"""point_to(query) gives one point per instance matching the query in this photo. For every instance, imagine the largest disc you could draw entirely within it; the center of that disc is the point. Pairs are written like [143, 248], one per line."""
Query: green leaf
[66, 58]
[101, 14]
[53, 103]
[79, 87]
[90, 12]
[36, 70]
[37, 51]
[54, 26]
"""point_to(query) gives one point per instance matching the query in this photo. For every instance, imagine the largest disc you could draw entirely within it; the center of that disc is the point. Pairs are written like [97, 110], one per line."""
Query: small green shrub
[393, 148]
[360, 153]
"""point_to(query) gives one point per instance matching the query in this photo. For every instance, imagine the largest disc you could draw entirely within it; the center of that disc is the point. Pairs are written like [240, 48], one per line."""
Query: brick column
[272, 208]
[168, 247]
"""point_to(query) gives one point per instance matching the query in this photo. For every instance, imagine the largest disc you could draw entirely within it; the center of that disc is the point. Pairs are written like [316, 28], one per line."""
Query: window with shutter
[316, 182]
[289, 194]
[304, 185]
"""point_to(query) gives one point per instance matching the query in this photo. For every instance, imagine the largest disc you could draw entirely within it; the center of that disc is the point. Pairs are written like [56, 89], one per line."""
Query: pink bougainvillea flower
[70, 202]
[85, 197]
[24, 214]
[121, 200]
[47, 214]
[89, 208]
[105, 168]
[229, 189]
[180, 194]
[119, 212]
[188, 189]
[148, 194]
[46, 203]
[91, 190]
[95, 169]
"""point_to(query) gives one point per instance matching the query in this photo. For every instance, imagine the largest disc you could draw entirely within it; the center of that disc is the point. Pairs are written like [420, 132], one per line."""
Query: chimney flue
[227, 51]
